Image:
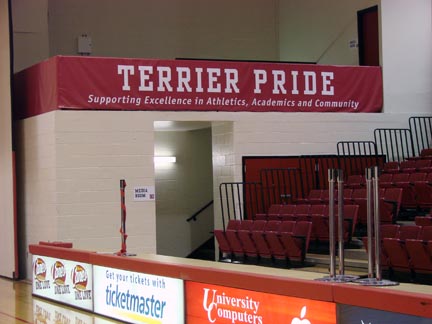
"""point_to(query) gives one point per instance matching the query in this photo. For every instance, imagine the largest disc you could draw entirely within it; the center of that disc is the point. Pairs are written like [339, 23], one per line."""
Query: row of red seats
[417, 188]
[425, 220]
[318, 214]
[266, 241]
[408, 166]
[389, 204]
[406, 248]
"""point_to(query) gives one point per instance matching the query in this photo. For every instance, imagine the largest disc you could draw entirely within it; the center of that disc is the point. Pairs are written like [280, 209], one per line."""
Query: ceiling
[180, 126]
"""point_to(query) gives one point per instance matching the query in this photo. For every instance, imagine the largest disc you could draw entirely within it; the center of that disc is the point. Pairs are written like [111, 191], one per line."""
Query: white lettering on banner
[165, 81]
[214, 306]
[104, 100]
[309, 78]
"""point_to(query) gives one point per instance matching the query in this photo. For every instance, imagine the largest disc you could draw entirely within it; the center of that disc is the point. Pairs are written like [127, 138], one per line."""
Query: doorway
[183, 188]
[368, 36]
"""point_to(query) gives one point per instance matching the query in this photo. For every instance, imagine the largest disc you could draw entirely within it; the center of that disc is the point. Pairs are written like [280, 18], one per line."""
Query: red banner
[207, 303]
[194, 85]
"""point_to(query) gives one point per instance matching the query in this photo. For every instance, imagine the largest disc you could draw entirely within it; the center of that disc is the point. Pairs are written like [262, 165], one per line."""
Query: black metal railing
[195, 215]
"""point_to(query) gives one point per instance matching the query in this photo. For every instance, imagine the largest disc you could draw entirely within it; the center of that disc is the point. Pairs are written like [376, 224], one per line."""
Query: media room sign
[64, 281]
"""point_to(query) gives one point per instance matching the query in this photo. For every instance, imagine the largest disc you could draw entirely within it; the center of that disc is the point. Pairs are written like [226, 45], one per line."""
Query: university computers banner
[95, 83]
[206, 303]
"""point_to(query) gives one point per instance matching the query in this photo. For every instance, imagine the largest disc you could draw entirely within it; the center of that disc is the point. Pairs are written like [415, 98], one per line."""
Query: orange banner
[207, 303]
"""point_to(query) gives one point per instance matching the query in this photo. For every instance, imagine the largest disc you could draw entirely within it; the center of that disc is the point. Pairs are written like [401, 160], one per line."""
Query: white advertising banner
[65, 281]
[136, 297]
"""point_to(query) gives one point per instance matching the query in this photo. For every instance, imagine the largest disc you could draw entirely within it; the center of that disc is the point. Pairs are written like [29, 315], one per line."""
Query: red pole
[123, 218]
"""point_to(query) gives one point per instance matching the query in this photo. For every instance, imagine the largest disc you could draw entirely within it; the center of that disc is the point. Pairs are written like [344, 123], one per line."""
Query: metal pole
[377, 224]
[331, 174]
[369, 221]
[341, 221]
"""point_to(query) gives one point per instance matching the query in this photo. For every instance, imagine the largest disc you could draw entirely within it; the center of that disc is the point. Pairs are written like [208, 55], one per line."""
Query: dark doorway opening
[368, 36]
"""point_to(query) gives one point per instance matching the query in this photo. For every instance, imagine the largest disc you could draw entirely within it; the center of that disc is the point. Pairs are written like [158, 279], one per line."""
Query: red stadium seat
[396, 251]
[407, 166]
[355, 181]
[409, 232]
[297, 244]
[419, 256]
[391, 167]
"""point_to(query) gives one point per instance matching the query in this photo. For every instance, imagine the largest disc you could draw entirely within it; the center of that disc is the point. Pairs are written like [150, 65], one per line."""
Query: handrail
[194, 216]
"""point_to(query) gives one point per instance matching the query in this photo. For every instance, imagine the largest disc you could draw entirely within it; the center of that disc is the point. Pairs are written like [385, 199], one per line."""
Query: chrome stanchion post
[377, 281]
[375, 186]
[369, 222]
[332, 238]
[340, 222]
[332, 246]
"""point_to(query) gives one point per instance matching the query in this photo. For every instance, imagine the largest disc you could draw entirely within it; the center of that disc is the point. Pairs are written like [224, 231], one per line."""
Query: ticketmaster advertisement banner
[207, 303]
[65, 281]
[348, 314]
[136, 297]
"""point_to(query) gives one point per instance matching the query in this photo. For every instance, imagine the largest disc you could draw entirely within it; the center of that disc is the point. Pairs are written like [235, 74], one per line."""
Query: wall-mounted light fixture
[164, 159]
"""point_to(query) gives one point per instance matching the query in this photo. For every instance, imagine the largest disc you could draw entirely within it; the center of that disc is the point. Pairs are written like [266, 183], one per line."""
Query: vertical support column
[332, 245]
[375, 186]
[123, 250]
[373, 231]
[369, 220]
[341, 277]
[340, 187]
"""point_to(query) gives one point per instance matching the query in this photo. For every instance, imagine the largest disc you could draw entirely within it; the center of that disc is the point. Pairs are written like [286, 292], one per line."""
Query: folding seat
[302, 212]
[417, 177]
[272, 226]
[419, 256]
[386, 231]
[287, 226]
[355, 181]
[350, 221]
[317, 209]
[325, 196]
[246, 225]
[423, 194]
[347, 194]
[287, 212]
[224, 247]
[425, 233]
[313, 197]
[234, 224]
[423, 165]
[235, 244]
[426, 153]
[386, 180]
[393, 196]
[297, 244]
[397, 253]
[409, 232]
[391, 167]
[248, 245]
[359, 198]
[277, 250]
[407, 166]
[273, 211]
[423, 220]
[259, 225]
[389, 230]
[388, 213]
[400, 180]
[261, 245]
[320, 228]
